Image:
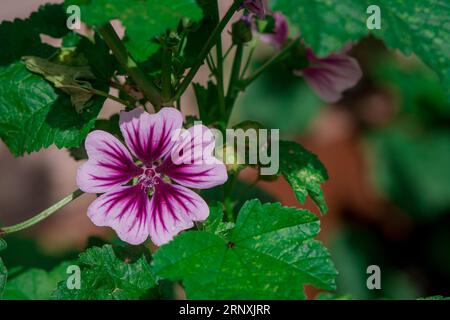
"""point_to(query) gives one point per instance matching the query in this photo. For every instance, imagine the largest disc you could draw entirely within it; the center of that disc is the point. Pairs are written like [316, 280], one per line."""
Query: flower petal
[191, 161]
[173, 209]
[150, 136]
[280, 33]
[257, 7]
[126, 210]
[331, 76]
[110, 164]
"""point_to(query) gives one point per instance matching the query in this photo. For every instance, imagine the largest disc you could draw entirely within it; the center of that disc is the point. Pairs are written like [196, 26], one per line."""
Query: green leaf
[435, 298]
[144, 20]
[94, 51]
[21, 37]
[69, 79]
[412, 169]
[271, 254]
[35, 115]
[304, 172]
[111, 273]
[35, 284]
[3, 271]
[200, 32]
[419, 27]
[207, 102]
[332, 296]
[215, 224]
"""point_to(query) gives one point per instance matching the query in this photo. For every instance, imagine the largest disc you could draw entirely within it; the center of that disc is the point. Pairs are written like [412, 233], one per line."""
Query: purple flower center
[149, 178]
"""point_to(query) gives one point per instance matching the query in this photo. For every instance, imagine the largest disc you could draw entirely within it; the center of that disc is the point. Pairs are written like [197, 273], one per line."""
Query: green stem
[43, 215]
[126, 61]
[249, 59]
[219, 73]
[166, 77]
[270, 62]
[206, 48]
[235, 71]
[103, 94]
[228, 51]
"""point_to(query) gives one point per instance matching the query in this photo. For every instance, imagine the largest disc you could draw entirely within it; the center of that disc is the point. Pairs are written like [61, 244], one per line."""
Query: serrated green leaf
[304, 172]
[215, 224]
[111, 273]
[35, 115]
[144, 20]
[35, 284]
[21, 37]
[70, 79]
[271, 254]
[412, 26]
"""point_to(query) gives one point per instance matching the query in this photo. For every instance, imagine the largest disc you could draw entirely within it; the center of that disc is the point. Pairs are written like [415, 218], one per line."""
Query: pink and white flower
[149, 197]
[280, 32]
[257, 7]
[330, 76]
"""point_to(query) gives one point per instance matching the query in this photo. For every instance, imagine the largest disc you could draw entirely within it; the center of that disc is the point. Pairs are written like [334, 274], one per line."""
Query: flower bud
[242, 31]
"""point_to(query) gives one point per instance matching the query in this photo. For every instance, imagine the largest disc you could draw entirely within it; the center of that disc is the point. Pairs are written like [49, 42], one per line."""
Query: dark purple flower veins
[257, 7]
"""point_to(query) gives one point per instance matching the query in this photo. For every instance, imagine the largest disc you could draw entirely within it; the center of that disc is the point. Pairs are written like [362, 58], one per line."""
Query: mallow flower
[146, 192]
[257, 7]
[330, 76]
[280, 32]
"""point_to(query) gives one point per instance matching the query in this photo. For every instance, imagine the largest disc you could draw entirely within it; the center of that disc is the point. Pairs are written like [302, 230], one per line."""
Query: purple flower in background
[280, 32]
[126, 207]
[257, 7]
[330, 76]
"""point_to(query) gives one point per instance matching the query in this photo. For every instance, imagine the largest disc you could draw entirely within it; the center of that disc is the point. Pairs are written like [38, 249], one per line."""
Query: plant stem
[166, 77]
[103, 94]
[42, 215]
[235, 71]
[219, 73]
[270, 62]
[126, 61]
[249, 59]
[206, 48]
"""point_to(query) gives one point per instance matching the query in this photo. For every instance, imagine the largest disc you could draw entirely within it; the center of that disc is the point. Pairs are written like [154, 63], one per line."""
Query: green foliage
[271, 254]
[412, 26]
[435, 298]
[111, 273]
[332, 296]
[35, 284]
[35, 115]
[215, 223]
[69, 79]
[21, 37]
[207, 102]
[304, 172]
[144, 20]
[3, 271]
[279, 99]
[412, 169]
